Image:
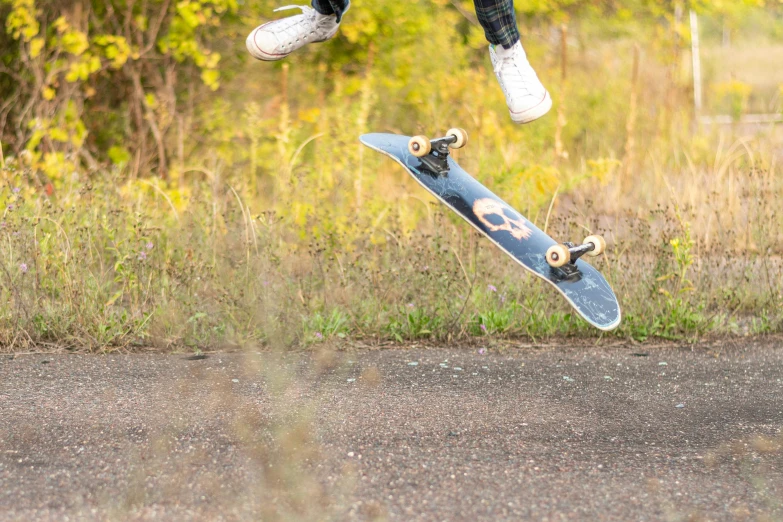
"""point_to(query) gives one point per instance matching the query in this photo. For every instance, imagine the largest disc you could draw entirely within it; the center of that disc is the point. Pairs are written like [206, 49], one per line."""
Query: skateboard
[559, 264]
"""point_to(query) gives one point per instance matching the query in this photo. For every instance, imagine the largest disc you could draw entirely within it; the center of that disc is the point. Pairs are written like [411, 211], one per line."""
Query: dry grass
[282, 228]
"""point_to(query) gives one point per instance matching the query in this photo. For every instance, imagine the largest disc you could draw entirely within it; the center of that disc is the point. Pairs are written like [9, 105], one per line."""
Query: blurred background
[162, 189]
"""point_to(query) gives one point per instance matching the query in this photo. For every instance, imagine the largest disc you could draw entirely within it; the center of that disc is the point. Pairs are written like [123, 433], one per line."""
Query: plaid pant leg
[499, 21]
[328, 7]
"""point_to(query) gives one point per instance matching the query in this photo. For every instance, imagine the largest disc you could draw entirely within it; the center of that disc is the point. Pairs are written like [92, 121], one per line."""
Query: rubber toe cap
[262, 45]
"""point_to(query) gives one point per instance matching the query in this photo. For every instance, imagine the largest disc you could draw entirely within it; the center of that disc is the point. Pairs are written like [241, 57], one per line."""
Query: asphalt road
[589, 433]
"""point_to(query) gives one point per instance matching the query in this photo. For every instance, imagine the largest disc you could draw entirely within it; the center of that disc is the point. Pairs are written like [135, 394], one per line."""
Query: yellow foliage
[533, 186]
[310, 115]
[22, 22]
[81, 69]
[211, 78]
[56, 166]
[36, 46]
[74, 42]
[115, 48]
[601, 169]
[735, 94]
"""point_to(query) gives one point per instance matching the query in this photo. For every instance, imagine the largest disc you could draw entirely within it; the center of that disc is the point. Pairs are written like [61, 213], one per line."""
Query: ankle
[502, 52]
[320, 16]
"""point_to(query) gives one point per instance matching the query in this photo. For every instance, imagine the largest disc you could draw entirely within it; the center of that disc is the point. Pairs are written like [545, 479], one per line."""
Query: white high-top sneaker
[277, 39]
[526, 97]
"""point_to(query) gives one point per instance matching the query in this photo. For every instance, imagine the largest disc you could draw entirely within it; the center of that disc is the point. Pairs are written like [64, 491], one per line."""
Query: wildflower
[16, 190]
[410, 305]
[492, 288]
[23, 267]
[502, 298]
[10, 207]
[319, 335]
[483, 328]
[142, 256]
[482, 351]
[149, 245]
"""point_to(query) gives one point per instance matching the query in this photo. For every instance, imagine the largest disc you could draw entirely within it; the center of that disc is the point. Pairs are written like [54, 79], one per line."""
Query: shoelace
[508, 59]
[310, 16]
[305, 8]
[517, 75]
[308, 11]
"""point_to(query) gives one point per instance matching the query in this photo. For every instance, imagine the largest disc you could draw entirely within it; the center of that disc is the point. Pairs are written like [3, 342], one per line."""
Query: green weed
[414, 323]
[318, 326]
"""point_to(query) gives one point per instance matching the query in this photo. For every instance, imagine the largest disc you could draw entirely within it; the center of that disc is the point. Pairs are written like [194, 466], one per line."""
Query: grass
[283, 229]
[79, 271]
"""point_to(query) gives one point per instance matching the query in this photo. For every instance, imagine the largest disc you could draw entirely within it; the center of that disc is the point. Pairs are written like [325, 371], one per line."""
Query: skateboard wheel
[461, 135]
[558, 255]
[600, 245]
[419, 146]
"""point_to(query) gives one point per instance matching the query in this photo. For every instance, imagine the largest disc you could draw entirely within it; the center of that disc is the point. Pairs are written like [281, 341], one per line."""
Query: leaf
[114, 298]
[61, 25]
[310, 115]
[151, 100]
[75, 42]
[211, 78]
[119, 155]
[141, 22]
[58, 134]
[36, 46]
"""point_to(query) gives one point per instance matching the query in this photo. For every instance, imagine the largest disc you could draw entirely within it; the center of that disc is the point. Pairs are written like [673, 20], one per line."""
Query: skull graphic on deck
[496, 216]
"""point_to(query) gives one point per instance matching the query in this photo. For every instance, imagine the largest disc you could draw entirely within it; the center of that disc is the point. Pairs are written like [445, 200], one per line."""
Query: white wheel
[419, 146]
[600, 245]
[558, 255]
[461, 135]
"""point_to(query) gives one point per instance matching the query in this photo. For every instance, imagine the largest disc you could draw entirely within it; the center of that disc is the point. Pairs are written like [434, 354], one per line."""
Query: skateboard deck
[587, 291]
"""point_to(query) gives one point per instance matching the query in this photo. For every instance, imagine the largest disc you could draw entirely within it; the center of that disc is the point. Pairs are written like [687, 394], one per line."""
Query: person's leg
[499, 21]
[277, 39]
[331, 7]
[526, 97]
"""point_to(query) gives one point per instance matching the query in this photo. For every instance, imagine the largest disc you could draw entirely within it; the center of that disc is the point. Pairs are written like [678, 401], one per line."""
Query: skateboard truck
[434, 154]
[563, 256]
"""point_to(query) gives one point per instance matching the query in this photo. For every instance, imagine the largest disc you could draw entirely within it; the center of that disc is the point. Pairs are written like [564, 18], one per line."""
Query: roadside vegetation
[160, 191]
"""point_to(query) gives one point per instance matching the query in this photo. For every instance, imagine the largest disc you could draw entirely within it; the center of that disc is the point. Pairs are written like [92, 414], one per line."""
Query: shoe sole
[533, 113]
